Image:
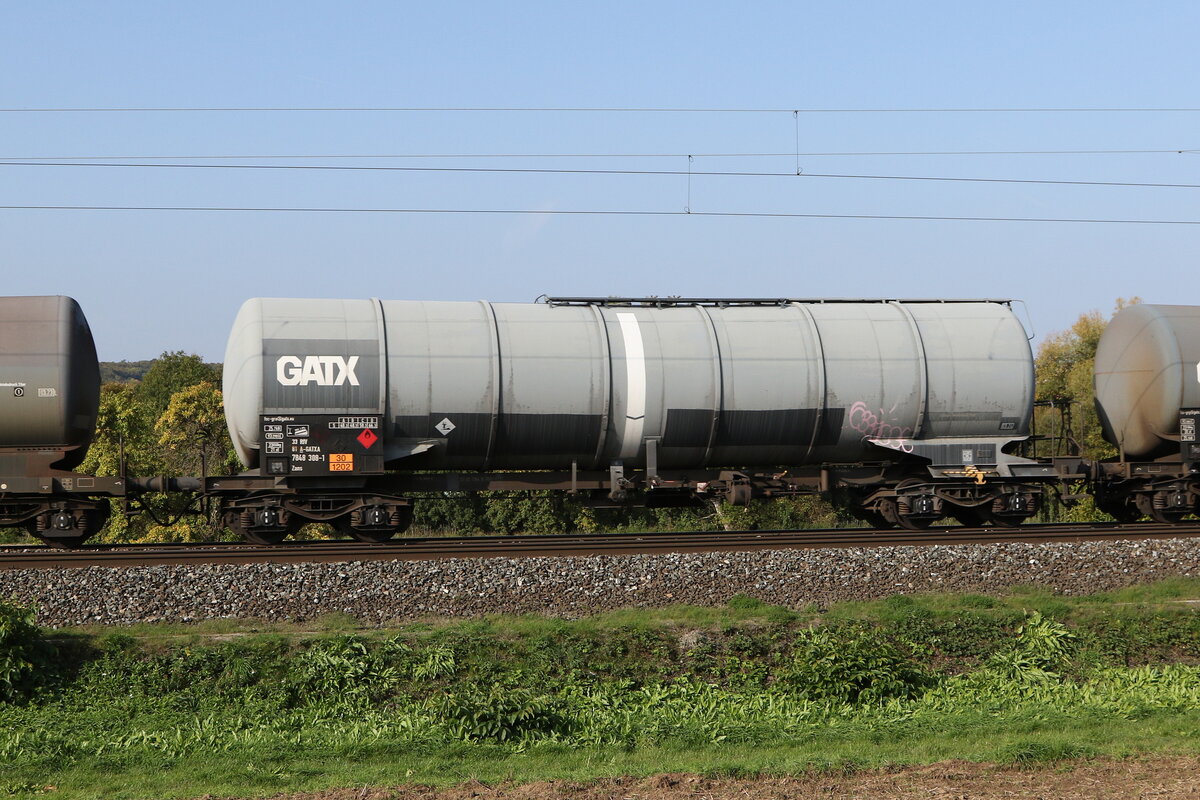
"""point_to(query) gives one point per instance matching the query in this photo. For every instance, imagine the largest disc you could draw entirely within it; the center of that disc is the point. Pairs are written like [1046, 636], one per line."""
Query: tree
[121, 426]
[170, 373]
[192, 434]
[1065, 363]
[169, 423]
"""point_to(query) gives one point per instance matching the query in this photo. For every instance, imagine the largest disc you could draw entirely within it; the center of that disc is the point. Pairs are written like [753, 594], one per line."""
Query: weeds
[853, 664]
[499, 715]
[975, 677]
[1042, 647]
[24, 653]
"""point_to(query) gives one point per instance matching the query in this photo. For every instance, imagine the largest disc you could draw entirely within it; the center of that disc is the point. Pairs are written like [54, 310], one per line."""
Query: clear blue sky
[156, 280]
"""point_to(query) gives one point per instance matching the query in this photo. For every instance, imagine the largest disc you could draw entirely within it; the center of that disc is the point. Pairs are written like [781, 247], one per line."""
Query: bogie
[69, 525]
[268, 524]
[270, 518]
[1169, 506]
[376, 523]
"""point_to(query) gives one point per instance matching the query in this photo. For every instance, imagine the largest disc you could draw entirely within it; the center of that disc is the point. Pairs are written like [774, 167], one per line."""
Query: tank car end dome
[49, 367]
[1146, 371]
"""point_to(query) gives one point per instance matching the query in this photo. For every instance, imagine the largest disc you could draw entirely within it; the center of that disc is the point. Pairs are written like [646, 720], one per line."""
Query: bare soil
[1160, 779]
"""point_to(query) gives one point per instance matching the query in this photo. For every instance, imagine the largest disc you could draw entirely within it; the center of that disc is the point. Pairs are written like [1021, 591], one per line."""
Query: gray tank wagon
[49, 397]
[905, 408]
[1147, 380]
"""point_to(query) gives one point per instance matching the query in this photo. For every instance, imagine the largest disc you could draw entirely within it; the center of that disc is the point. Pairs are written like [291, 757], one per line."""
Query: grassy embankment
[229, 709]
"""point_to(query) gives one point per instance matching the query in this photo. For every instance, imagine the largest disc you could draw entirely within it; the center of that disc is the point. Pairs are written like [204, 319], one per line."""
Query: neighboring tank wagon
[49, 381]
[1147, 380]
[677, 397]
[49, 398]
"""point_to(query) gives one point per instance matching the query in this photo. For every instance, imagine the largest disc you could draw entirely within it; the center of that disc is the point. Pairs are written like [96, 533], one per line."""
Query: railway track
[424, 549]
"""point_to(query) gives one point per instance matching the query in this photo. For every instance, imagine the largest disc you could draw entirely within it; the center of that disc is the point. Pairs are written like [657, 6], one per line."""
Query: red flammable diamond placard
[367, 438]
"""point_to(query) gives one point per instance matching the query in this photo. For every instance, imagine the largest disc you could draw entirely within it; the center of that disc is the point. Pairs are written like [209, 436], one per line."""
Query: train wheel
[875, 519]
[61, 542]
[1010, 510]
[854, 504]
[890, 509]
[869, 516]
[263, 536]
[68, 528]
[915, 523]
[916, 512]
[94, 520]
[376, 524]
[266, 525]
[1171, 515]
[1004, 519]
[1123, 511]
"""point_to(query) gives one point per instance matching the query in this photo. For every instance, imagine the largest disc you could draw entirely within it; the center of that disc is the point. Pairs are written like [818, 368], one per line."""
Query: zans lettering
[318, 370]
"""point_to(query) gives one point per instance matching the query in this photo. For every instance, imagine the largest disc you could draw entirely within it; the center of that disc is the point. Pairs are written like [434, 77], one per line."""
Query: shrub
[853, 664]
[23, 651]
[1043, 648]
[342, 669]
[499, 715]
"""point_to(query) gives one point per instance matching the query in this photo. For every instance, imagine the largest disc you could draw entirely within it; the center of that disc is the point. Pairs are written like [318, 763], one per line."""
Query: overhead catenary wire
[597, 212]
[633, 172]
[584, 109]
[306, 156]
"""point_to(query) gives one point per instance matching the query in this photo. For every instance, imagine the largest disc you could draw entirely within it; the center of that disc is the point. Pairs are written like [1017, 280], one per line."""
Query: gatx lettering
[319, 370]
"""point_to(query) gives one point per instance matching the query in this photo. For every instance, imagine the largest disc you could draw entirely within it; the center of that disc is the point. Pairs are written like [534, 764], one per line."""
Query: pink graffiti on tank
[875, 426]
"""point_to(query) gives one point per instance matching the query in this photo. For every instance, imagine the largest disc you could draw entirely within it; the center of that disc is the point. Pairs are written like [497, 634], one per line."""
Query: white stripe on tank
[635, 385]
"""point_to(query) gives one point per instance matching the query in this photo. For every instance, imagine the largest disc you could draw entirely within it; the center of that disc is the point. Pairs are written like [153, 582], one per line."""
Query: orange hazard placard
[341, 462]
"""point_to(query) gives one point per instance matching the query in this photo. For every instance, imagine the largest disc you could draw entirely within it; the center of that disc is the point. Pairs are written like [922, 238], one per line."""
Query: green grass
[266, 771]
[1019, 599]
[1164, 591]
[227, 708]
[740, 609]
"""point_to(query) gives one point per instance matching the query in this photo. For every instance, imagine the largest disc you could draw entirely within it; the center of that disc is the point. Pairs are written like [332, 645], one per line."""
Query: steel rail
[427, 549]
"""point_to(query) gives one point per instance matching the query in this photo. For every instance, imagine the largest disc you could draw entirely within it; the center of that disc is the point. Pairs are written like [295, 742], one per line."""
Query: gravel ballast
[378, 592]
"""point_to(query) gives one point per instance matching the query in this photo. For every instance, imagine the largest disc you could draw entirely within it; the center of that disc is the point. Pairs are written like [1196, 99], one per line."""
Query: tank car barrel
[325, 387]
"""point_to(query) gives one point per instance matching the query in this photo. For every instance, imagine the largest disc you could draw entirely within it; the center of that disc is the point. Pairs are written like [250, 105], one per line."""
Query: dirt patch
[1159, 779]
